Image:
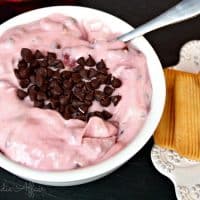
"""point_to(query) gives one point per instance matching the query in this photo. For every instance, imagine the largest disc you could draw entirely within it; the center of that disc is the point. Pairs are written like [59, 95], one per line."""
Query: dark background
[137, 179]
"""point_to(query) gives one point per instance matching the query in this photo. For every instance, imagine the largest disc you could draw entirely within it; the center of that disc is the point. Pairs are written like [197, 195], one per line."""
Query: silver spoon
[184, 10]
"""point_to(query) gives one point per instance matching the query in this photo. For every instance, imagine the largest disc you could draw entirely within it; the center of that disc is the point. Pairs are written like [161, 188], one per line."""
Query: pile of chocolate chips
[71, 93]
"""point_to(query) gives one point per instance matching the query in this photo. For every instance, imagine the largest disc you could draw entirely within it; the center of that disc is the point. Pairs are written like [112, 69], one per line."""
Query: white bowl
[87, 174]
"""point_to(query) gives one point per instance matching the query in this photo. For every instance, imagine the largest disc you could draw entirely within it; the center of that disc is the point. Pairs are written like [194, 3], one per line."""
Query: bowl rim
[157, 106]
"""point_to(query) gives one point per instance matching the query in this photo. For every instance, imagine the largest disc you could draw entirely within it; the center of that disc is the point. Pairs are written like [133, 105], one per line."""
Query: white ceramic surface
[184, 173]
[87, 174]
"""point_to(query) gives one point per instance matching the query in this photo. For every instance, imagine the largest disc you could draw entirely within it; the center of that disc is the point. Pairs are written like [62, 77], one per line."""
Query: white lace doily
[184, 173]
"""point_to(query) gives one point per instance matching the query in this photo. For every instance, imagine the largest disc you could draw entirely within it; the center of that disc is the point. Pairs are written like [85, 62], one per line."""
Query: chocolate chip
[78, 115]
[78, 68]
[66, 115]
[69, 109]
[66, 74]
[59, 64]
[89, 115]
[83, 108]
[68, 84]
[95, 113]
[43, 63]
[41, 71]
[38, 54]
[56, 62]
[48, 106]
[57, 108]
[54, 83]
[106, 115]
[33, 88]
[32, 79]
[34, 64]
[105, 101]
[49, 73]
[39, 104]
[88, 102]
[67, 91]
[88, 86]
[21, 94]
[80, 84]
[79, 94]
[125, 48]
[90, 61]
[41, 96]
[102, 78]
[108, 90]
[115, 99]
[81, 61]
[55, 103]
[27, 54]
[116, 83]
[89, 96]
[108, 79]
[22, 63]
[16, 72]
[76, 103]
[32, 92]
[103, 71]
[84, 73]
[56, 91]
[64, 99]
[51, 56]
[32, 71]
[52, 62]
[92, 73]
[99, 95]
[48, 93]
[24, 83]
[75, 115]
[45, 87]
[95, 83]
[58, 46]
[39, 80]
[56, 75]
[101, 66]
[98, 114]
[33, 96]
[23, 72]
[76, 77]
[81, 117]
[61, 109]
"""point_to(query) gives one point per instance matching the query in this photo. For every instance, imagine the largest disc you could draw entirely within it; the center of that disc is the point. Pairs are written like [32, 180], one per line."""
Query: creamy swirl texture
[43, 139]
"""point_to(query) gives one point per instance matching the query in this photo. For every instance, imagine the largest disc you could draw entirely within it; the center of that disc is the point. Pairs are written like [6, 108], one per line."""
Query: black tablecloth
[137, 179]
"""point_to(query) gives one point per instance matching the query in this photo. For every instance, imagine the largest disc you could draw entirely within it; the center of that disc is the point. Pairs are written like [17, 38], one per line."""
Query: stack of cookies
[179, 127]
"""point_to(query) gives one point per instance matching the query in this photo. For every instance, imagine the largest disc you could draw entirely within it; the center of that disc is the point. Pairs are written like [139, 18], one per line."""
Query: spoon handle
[184, 10]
